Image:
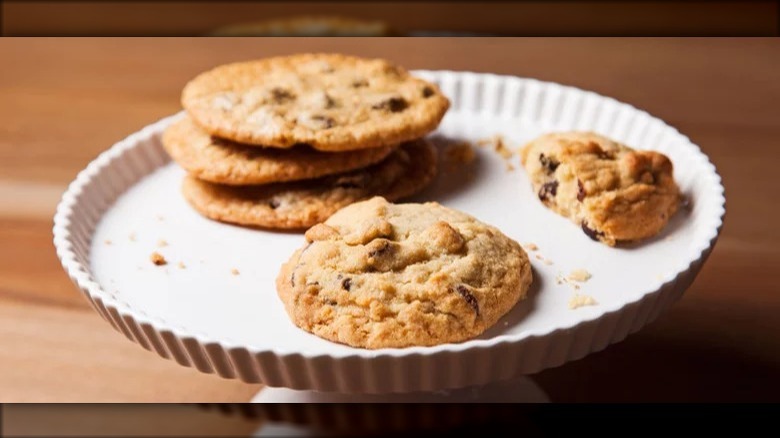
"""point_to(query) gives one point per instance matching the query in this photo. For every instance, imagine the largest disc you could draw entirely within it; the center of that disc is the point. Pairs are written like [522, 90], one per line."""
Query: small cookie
[381, 275]
[222, 161]
[301, 204]
[331, 102]
[616, 194]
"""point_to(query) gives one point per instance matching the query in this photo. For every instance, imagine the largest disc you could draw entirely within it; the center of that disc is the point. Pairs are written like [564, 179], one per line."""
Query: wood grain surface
[63, 101]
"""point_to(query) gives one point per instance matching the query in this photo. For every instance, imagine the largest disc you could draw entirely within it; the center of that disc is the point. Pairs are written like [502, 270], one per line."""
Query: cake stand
[214, 306]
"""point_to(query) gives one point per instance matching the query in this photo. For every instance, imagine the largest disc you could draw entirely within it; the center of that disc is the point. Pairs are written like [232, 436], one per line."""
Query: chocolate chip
[346, 283]
[329, 101]
[590, 232]
[548, 190]
[280, 95]
[274, 204]
[328, 122]
[331, 302]
[580, 191]
[427, 92]
[360, 83]
[464, 292]
[383, 247]
[393, 104]
[605, 155]
[548, 163]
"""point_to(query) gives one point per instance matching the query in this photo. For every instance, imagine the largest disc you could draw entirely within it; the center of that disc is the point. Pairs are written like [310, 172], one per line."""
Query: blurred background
[525, 18]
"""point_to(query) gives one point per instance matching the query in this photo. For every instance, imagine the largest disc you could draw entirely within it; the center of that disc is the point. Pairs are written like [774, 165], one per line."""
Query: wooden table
[63, 101]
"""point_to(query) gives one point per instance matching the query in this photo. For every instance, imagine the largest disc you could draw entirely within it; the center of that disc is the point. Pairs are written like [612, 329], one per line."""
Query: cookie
[616, 194]
[316, 25]
[301, 204]
[330, 102]
[381, 275]
[222, 161]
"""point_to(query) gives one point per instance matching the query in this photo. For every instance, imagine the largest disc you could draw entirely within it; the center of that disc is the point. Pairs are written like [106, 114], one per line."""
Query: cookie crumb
[234, 271]
[509, 166]
[162, 243]
[132, 237]
[108, 242]
[538, 257]
[160, 218]
[579, 275]
[158, 259]
[530, 246]
[181, 265]
[499, 145]
[581, 300]
[548, 262]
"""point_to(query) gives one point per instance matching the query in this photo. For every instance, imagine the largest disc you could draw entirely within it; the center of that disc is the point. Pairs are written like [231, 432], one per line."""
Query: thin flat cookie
[331, 102]
[224, 162]
[301, 204]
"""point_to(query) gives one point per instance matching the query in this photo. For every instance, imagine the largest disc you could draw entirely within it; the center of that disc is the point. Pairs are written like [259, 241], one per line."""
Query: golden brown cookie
[222, 161]
[301, 204]
[331, 102]
[310, 25]
[616, 194]
[381, 275]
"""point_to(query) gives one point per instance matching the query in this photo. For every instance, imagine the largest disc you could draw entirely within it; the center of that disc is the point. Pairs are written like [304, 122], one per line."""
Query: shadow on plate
[457, 170]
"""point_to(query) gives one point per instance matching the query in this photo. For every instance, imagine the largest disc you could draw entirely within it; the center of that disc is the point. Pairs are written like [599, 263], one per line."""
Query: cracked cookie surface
[382, 275]
[331, 102]
[301, 204]
[224, 162]
[614, 193]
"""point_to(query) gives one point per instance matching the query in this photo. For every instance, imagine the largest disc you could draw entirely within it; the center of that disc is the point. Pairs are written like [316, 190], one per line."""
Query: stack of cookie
[286, 142]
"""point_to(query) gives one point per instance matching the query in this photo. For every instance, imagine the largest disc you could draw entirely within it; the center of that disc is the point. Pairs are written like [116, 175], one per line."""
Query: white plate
[204, 316]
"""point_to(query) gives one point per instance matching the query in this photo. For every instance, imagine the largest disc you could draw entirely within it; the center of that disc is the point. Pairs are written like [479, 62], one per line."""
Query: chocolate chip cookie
[381, 275]
[301, 204]
[616, 194]
[331, 102]
[222, 161]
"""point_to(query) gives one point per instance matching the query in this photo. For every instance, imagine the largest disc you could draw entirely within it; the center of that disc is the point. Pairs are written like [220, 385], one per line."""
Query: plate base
[522, 390]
